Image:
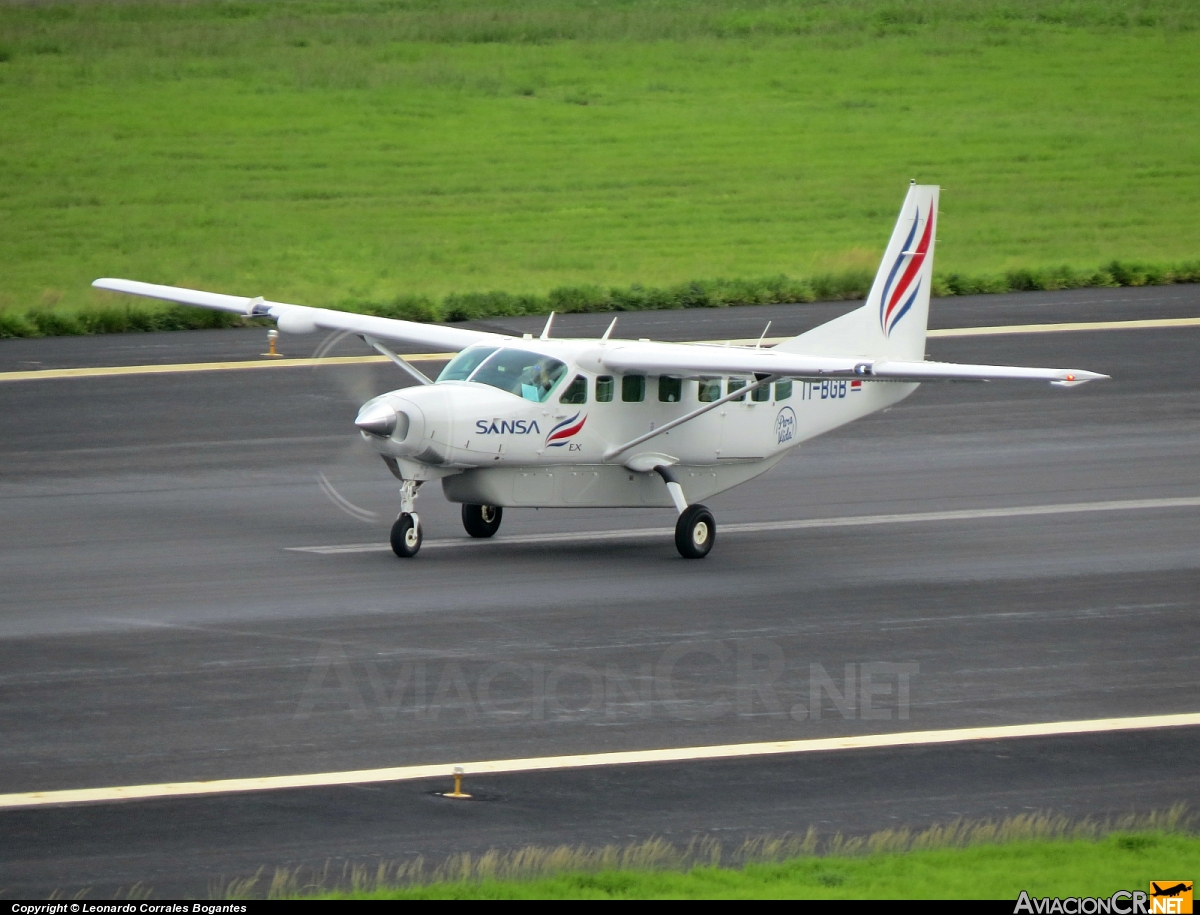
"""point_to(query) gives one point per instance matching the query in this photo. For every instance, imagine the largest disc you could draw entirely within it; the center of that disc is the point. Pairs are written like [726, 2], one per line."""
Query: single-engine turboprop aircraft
[575, 423]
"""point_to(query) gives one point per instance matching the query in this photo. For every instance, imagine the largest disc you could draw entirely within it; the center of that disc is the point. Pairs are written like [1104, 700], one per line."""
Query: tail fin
[892, 323]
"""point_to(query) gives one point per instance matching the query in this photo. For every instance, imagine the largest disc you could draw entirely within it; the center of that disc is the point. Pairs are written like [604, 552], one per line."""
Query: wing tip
[1075, 378]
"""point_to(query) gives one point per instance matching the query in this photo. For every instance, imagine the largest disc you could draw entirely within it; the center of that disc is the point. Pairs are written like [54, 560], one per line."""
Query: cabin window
[761, 394]
[461, 366]
[670, 389]
[633, 388]
[736, 384]
[576, 391]
[783, 389]
[528, 375]
[709, 389]
[604, 389]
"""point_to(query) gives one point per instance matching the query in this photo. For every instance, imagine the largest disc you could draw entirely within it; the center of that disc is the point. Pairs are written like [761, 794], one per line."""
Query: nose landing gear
[406, 535]
[406, 531]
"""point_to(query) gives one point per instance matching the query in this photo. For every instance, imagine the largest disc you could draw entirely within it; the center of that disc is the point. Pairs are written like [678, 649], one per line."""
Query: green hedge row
[110, 319]
[143, 316]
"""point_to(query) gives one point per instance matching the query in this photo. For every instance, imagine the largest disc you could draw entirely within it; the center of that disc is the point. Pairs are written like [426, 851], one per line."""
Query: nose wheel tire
[406, 536]
[482, 520]
[695, 532]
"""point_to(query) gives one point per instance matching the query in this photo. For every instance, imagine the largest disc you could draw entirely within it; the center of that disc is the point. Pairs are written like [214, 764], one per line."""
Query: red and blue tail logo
[564, 431]
[899, 295]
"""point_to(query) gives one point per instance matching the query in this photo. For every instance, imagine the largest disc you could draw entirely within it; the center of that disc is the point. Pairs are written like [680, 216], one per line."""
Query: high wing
[301, 319]
[693, 359]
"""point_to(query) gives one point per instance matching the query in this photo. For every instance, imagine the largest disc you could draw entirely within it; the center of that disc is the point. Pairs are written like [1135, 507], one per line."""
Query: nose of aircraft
[377, 418]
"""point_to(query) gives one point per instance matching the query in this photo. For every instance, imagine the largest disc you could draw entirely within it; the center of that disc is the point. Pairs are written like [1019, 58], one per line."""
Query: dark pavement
[155, 627]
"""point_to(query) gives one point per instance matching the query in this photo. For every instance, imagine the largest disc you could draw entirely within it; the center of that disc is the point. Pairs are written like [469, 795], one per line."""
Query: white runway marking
[969, 514]
[589, 760]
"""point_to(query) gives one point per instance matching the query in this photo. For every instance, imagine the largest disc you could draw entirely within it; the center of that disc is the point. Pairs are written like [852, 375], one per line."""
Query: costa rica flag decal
[856, 386]
[899, 294]
[565, 431]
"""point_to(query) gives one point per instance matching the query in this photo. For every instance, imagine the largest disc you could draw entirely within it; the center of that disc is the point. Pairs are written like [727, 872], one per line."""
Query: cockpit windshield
[461, 366]
[525, 374]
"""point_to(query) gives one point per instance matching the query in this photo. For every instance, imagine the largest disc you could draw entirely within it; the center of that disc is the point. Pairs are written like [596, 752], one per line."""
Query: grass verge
[409, 157]
[133, 316]
[1044, 855]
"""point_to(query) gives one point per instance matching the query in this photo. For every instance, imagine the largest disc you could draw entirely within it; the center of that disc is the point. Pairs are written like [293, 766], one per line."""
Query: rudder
[893, 321]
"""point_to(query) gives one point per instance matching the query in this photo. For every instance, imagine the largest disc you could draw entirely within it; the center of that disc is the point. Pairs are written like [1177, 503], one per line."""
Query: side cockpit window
[576, 391]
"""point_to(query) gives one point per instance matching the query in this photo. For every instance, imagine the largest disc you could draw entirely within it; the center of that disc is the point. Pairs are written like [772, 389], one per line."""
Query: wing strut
[419, 376]
[667, 427]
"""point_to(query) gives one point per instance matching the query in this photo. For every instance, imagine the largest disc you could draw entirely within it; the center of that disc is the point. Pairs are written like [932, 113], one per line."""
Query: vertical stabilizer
[892, 323]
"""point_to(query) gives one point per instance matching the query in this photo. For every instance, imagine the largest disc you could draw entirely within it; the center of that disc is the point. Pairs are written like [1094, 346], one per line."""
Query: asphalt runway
[157, 623]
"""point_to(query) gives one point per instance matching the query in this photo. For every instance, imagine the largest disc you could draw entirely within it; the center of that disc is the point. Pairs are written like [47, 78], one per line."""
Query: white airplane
[545, 422]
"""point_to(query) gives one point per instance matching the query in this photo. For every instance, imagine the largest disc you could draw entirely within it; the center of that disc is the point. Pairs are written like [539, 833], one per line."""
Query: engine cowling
[393, 424]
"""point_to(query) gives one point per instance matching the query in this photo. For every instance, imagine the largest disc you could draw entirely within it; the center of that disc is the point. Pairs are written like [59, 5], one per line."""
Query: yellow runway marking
[1147, 324]
[185, 367]
[589, 760]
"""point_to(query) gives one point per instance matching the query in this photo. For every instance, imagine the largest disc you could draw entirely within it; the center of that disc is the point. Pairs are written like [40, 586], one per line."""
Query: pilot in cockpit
[535, 382]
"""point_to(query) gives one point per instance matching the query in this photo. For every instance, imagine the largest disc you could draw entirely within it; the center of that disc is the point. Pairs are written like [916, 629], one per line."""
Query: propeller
[356, 462]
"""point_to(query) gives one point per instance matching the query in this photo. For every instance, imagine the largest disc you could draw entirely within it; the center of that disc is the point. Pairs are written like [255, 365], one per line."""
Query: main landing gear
[696, 530]
[406, 531]
[482, 520]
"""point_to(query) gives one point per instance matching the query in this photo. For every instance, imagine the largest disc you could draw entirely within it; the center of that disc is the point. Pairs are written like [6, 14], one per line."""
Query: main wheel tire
[482, 520]
[695, 532]
[406, 536]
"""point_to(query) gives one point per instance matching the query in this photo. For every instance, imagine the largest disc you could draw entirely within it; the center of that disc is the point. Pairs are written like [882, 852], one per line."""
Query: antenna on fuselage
[604, 339]
[546, 330]
[759, 344]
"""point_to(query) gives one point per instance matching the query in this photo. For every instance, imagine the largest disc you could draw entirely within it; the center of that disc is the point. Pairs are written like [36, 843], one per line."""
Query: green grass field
[1039, 853]
[1041, 868]
[371, 153]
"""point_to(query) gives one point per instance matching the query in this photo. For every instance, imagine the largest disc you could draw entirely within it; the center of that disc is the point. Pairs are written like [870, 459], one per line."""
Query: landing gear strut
[406, 531]
[696, 530]
[482, 520]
